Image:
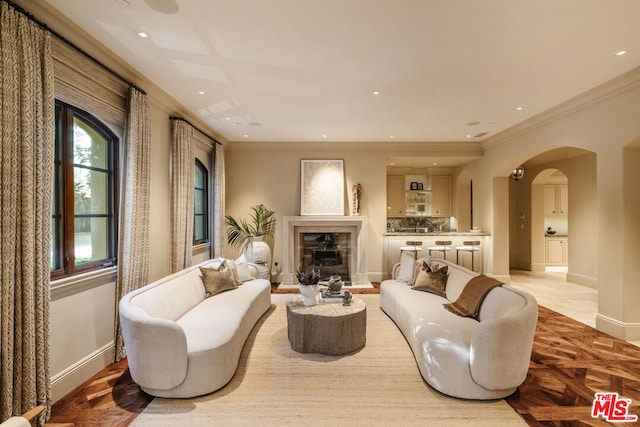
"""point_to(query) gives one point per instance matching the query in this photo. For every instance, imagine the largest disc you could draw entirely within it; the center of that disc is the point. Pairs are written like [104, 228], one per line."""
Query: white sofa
[459, 356]
[181, 344]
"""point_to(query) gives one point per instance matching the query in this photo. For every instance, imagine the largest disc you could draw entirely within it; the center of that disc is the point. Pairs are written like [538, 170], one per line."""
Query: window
[201, 205]
[84, 220]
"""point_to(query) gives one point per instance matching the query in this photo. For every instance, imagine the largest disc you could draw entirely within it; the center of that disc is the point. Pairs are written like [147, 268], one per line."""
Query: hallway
[553, 291]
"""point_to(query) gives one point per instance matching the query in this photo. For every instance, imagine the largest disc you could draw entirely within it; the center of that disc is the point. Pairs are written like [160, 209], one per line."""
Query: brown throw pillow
[217, 280]
[433, 281]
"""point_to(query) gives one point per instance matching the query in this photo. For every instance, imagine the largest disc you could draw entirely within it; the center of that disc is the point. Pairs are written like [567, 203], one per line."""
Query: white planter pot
[258, 251]
[309, 292]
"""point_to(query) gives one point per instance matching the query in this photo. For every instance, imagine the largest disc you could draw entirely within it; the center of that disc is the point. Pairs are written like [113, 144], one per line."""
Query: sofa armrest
[259, 271]
[395, 270]
[501, 348]
[156, 348]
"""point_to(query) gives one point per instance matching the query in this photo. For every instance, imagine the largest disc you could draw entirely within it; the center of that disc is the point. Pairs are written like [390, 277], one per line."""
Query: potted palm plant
[254, 235]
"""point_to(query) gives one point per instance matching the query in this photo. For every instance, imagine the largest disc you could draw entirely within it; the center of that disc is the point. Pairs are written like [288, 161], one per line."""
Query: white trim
[67, 380]
[623, 330]
[587, 281]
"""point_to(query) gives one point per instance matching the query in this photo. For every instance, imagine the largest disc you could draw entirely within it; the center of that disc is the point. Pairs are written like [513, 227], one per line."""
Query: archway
[528, 221]
[550, 221]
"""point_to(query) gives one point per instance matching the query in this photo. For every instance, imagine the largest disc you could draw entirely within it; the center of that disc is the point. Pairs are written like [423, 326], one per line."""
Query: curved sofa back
[172, 296]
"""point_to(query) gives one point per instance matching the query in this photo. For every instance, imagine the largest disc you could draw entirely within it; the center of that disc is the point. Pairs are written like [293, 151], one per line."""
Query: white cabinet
[440, 195]
[418, 195]
[556, 250]
[556, 200]
[417, 203]
[395, 195]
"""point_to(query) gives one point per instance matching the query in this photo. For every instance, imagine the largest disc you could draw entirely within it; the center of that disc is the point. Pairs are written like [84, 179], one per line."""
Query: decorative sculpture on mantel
[356, 191]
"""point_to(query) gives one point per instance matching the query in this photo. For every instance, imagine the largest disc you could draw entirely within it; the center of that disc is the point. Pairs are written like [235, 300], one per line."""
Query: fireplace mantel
[357, 225]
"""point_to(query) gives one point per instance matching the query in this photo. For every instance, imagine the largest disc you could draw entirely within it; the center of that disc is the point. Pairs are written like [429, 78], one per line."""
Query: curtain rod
[70, 43]
[196, 128]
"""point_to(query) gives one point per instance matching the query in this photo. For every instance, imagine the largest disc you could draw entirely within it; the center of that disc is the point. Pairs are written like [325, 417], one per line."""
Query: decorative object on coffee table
[335, 284]
[308, 281]
[347, 298]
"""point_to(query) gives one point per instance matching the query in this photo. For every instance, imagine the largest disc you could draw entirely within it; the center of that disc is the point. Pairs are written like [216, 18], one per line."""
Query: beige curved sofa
[463, 357]
[181, 344]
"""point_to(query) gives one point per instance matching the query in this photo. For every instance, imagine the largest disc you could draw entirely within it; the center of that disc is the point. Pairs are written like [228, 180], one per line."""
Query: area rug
[379, 385]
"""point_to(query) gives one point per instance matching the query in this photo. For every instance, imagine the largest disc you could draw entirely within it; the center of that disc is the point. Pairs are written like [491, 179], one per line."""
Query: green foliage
[308, 278]
[260, 224]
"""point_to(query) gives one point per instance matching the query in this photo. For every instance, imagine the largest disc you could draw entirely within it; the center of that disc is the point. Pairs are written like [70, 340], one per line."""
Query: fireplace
[332, 244]
[329, 252]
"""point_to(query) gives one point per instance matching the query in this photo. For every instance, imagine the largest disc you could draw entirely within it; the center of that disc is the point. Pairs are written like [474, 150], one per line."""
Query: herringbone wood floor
[570, 362]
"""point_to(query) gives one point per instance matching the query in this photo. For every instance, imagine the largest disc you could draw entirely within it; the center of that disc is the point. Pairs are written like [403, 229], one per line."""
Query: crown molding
[456, 148]
[610, 89]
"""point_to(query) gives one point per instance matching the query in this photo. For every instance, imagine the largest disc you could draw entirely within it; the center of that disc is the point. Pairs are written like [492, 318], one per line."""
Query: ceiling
[307, 70]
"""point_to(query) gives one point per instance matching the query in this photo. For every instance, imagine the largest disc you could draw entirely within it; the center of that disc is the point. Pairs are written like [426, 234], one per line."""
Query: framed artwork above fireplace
[322, 187]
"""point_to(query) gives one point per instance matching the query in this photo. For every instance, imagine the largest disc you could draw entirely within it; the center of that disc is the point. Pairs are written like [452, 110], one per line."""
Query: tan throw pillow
[433, 281]
[234, 270]
[218, 279]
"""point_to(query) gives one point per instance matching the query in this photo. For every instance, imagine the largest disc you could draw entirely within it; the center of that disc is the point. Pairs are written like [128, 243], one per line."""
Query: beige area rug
[378, 386]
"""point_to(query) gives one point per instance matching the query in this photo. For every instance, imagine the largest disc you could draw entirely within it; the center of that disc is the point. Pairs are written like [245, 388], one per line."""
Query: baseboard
[582, 280]
[378, 276]
[624, 331]
[537, 267]
[66, 381]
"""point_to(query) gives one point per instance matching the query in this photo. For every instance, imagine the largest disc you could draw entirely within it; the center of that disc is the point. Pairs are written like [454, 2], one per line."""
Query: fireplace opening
[328, 252]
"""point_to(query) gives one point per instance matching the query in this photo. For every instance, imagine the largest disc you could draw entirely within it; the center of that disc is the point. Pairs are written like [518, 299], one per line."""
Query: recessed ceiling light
[468, 136]
[376, 92]
[143, 34]
[621, 52]
[391, 164]
[435, 163]
[519, 108]
[245, 135]
[392, 136]
[227, 118]
[324, 136]
[201, 92]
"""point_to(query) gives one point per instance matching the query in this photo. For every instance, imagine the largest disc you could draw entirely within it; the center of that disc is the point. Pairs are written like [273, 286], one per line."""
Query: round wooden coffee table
[327, 328]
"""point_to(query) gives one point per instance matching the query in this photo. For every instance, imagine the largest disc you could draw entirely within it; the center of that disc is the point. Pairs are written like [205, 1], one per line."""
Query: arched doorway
[550, 221]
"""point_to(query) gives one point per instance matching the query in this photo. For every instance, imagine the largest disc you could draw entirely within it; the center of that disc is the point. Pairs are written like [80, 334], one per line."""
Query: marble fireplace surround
[356, 225]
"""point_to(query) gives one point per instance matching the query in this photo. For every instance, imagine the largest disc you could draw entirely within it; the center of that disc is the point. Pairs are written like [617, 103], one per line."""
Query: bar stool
[472, 246]
[414, 246]
[441, 246]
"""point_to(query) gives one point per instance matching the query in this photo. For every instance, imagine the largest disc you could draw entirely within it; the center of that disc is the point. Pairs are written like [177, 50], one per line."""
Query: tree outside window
[84, 221]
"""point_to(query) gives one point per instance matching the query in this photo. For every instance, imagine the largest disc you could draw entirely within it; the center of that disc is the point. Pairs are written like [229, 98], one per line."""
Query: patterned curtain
[182, 183]
[133, 250]
[218, 201]
[27, 138]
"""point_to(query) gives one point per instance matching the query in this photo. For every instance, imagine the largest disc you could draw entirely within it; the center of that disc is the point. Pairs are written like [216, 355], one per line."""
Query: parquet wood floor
[570, 362]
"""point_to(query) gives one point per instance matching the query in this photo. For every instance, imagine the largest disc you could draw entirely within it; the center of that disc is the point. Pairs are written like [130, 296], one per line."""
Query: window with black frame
[84, 217]
[201, 205]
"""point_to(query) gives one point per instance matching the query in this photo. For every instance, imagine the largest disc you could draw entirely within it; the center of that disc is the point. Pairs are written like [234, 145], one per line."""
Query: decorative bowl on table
[335, 284]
